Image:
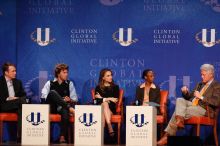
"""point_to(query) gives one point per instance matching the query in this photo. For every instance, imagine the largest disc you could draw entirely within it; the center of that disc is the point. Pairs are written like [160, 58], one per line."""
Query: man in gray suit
[205, 95]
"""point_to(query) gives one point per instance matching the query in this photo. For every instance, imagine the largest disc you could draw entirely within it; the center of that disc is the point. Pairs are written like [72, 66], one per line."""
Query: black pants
[14, 106]
[58, 105]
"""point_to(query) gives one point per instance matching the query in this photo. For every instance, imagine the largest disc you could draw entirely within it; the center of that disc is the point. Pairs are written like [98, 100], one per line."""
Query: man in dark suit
[12, 94]
[205, 95]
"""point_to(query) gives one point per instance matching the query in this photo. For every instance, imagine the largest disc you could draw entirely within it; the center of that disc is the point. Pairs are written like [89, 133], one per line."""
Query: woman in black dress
[148, 93]
[106, 94]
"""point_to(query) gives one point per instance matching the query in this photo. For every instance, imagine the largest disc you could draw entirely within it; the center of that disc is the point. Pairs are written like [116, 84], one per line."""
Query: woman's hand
[97, 95]
[112, 99]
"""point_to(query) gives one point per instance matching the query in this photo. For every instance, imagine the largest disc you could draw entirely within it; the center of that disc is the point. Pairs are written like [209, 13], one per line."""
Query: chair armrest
[208, 111]
[132, 103]
[163, 111]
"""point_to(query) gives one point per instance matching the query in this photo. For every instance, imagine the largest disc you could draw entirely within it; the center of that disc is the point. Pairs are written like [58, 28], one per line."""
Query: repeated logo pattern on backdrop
[204, 41]
[120, 38]
[170, 37]
[39, 40]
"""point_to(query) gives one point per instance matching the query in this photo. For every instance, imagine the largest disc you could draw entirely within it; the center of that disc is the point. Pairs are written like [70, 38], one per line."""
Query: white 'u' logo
[47, 37]
[129, 37]
[204, 38]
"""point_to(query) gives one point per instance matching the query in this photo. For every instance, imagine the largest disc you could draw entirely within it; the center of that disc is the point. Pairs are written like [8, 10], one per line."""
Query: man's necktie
[11, 91]
[196, 100]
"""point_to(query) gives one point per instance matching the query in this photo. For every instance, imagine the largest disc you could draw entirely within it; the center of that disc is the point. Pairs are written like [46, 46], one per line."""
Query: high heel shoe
[112, 134]
[62, 140]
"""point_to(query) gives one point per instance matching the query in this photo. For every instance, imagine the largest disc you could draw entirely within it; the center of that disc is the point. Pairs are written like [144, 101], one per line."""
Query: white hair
[208, 67]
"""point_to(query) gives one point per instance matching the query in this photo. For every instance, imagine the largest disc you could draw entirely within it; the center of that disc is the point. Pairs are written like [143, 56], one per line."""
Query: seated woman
[106, 94]
[148, 93]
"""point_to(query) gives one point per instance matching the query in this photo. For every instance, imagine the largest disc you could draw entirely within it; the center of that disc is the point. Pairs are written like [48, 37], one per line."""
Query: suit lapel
[5, 87]
[15, 85]
[209, 88]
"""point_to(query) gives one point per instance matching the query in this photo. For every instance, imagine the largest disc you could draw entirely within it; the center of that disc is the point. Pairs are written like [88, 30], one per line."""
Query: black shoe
[63, 142]
[18, 140]
[112, 134]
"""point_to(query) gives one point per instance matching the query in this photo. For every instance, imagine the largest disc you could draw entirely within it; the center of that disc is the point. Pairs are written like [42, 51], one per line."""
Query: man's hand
[184, 89]
[11, 98]
[197, 95]
[67, 99]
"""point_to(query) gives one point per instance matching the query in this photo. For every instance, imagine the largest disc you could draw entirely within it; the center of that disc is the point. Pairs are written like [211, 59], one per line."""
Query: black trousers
[14, 106]
[58, 105]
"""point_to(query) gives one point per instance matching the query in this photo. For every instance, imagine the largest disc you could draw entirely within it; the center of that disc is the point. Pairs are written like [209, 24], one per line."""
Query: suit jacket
[154, 95]
[211, 96]
[18, 88]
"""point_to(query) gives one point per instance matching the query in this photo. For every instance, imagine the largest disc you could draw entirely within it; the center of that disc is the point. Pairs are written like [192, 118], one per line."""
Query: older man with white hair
[205, 94]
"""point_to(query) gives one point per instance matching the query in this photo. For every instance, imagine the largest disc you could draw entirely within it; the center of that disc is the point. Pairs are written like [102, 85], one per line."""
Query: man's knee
[180, 100]
[53, 96]
[53, 93]
[64, 113]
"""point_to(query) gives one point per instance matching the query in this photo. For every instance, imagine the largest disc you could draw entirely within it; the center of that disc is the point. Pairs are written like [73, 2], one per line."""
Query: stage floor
[53, 145]
[8, 144]
[56, 145]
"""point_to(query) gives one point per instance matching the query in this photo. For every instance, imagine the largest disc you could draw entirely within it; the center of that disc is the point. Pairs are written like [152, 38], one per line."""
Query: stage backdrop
[7, 31]
[8, 46]
[172, 37]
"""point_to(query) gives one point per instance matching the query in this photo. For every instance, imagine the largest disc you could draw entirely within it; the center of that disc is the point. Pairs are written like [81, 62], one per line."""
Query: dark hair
[101, 75]
[145, 72]
[5, 67]
[59, 68]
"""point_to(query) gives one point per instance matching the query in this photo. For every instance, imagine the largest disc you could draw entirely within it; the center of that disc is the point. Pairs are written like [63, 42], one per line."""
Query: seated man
[12, 94]
[206, 94]
[60, 93]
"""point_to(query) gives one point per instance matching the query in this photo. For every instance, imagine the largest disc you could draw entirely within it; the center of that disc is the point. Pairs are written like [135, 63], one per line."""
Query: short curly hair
[59, 68]
[145, 72]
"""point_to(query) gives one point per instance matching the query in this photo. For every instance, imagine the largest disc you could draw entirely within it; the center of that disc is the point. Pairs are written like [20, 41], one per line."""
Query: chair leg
[71, 133]
[215, 135]
[51, 131]
[198, 130]
[73, 128]
[1, 132]
[119, 133]
[18, 131]
[161, 130]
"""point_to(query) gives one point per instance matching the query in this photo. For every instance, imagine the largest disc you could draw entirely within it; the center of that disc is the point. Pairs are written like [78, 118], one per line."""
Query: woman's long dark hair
[101, 75]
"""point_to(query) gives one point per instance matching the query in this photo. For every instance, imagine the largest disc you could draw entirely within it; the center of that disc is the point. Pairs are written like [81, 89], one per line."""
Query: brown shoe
[179, 121]
[163, 140]
[62, 140]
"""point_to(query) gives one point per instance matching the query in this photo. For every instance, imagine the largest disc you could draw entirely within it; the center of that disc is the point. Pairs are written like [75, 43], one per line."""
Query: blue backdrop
[172, 37]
